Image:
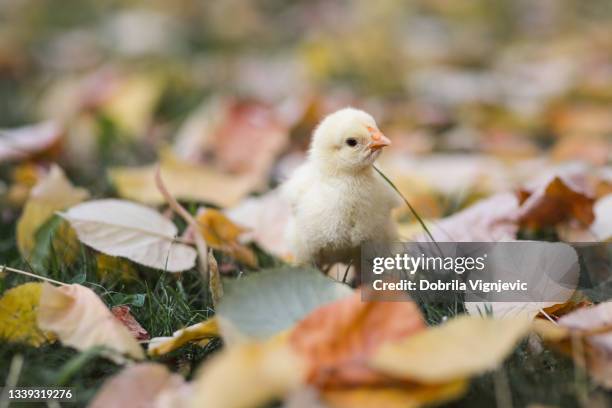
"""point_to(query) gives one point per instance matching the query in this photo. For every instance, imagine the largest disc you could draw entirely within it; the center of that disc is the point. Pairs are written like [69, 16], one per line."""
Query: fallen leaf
[24, 142]
[195, 333]
[489, 220]
[248, 375]
[558, 200]
[81, 320]
[249, 139]
[130, 230]
[238, 137]
[585, 335]
[447, 352]
[24, 176]
[266, 218]
[185, 181]
[18, 308]
[401, 396]
[338, 339]
[215, 286]
[266, 303]
[221, 233]
[55, 241]
[132, 103]
[139, 385]
[602, 225]
[109, 268]
[591, 149]
[550, 269]
[52, 193]
[122, 313]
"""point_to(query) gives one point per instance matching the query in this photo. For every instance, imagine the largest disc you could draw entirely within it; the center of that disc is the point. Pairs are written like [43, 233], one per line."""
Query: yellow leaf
[214, 282]
[112, 267]
[81, 320]
[185, 181]
[195, 333]
[463, 347]
[248, 375]
[408, 396]
[52, 193]
[131, 106]
[221, 233]
[18, 315]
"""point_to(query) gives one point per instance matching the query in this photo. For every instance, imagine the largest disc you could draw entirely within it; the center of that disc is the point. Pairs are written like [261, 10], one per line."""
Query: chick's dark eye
[351, 142]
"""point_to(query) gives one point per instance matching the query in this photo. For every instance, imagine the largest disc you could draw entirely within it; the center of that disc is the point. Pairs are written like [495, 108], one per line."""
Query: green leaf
[263, 304]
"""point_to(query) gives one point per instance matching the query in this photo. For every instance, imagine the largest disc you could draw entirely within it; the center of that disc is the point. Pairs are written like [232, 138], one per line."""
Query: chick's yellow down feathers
[337, 198]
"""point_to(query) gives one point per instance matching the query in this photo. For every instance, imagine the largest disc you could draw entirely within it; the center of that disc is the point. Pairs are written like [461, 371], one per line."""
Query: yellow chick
[338, 201]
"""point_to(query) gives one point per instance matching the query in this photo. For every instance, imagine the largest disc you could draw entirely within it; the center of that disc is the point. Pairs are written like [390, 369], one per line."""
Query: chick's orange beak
[378, 139]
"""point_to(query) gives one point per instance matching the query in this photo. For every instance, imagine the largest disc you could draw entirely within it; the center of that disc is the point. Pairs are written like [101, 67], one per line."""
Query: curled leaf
[558, 200]
[81, 320]
[221, 233]
[195, 333]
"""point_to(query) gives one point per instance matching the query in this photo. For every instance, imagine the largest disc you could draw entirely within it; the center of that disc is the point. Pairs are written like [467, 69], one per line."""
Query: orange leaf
[221, 233]
[557, 201]
[338, 338]
[406, 396]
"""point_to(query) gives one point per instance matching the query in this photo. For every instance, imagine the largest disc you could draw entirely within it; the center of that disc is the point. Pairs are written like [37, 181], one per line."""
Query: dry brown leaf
[221, 233]
[24, 142]
[198, 332]
[558, 200]
[202, 183]
[406, 396]
[248, 375]
[460, 348]
[52, 193]
[81, 320]
[139, 385]
[338, 339]
[122, 313]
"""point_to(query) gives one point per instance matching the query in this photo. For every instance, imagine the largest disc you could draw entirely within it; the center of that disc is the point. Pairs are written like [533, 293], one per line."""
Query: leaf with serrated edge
[130, 230]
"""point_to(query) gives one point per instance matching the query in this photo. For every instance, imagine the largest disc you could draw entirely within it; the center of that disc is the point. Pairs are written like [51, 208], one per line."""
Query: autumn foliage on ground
[142, 242]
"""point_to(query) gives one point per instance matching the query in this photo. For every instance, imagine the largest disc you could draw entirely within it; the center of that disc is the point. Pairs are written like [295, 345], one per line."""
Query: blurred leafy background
[516, 81]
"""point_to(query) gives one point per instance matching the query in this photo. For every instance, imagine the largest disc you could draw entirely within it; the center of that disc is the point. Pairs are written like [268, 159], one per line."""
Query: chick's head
[348, 140]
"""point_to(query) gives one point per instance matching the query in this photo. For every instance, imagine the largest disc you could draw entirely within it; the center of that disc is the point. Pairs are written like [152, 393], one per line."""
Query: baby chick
[338, 200]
